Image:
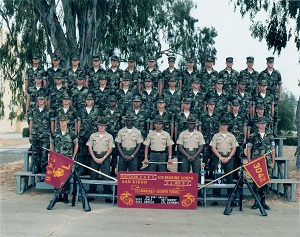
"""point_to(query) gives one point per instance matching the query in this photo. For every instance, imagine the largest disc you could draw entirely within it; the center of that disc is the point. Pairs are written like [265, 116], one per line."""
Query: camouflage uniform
[93, 76]
[78, 97]
[237, 126]
[101, 97]
[268, 102]
[208, 79]
[135, 78]
[209, 126]
[88, 125]
[167, 75]
[71, 76]
[71, 114]
[114, 78]
[173, 101]
[56, 96]
[125, 100]
[154, 75]
[261, 146]
[230, 80]
[251, 80]
[188, 78]
[252, 127]
[197, 101]
[31, 73]
[34, 93]
[221, 101]
[40, 135]
[149, 101]
[50, 75]
[274, 80]
[245, 101]
[112, 128]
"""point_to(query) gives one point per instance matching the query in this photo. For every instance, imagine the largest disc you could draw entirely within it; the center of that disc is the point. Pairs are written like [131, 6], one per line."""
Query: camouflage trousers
[40, 155]
[84, 156]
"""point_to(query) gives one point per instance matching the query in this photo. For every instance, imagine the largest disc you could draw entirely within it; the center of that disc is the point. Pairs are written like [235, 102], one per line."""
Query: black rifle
[239, 186]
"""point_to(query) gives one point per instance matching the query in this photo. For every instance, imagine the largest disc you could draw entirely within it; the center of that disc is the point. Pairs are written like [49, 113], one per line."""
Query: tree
[286, 112]
[298, 130]
[276, 29]
[88, 27]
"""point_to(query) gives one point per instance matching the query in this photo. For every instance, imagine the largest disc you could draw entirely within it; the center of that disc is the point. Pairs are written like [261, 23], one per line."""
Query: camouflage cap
[38, 75]
[190, 60]
[114, 58]
[211, 102]
[75, 57]
[209, 59]
[242, 81]
[172, 79]
[41, 97]
[270, 59]
[96, 57]
[263, 83]
[191, 119]
[171, 58]
[250, 59]
[260, 106]
[158, 119]
[187, 100]
[129, 116]
[151, 59]
[89, 97]
[36, 56]
[79, 77]
[58, 76]
[131, 59]
[66, 96]
[160, 100]
[55, 57]
[112, 98]
[235, 102]
[148, 78]
[229, 59]
[126, 77]
[196, 81]
[220, 81]
[102, 76]
[225, 120]
[137, 99]
[102, 121]
[262, 120]
[63, 117]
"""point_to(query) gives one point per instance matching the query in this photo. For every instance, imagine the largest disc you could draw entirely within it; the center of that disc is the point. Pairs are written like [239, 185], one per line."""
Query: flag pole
[78, 163]
[230, 172]
[221, 177]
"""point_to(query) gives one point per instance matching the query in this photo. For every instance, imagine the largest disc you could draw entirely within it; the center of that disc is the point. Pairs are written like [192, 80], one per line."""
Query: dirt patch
[4, 143]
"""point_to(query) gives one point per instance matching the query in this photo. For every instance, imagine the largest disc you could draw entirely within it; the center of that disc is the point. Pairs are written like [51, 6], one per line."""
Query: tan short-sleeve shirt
[224, 144]
[101, 144]
[189, 140]
[158, 142]
[129, 140]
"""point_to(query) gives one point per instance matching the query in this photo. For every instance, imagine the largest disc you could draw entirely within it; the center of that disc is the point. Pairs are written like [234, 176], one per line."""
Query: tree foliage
[127, 27]
[278, 27]
[286, 113]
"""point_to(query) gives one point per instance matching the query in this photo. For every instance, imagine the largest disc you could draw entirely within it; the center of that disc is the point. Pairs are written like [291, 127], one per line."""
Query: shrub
[25, 132]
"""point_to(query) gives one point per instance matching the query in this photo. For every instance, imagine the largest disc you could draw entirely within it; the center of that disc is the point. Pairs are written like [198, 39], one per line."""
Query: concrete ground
[27, 215]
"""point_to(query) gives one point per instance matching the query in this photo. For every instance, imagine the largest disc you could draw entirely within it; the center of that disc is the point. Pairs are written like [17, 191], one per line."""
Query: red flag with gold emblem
[58, 169]
[257, 169]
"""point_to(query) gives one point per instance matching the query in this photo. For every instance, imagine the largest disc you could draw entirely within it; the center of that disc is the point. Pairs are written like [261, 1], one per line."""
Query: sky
[234, 39]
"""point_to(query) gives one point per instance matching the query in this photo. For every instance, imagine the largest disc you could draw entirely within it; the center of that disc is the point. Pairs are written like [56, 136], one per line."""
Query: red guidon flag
[58, 169]
[258, 171]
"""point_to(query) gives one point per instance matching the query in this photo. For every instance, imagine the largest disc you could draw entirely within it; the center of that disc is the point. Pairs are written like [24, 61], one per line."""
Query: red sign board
[161, 190]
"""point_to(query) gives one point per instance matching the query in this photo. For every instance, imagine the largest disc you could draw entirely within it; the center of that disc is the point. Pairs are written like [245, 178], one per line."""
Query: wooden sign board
[160, 190]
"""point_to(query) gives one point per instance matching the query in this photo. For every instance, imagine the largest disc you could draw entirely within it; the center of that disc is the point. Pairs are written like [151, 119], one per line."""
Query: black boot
[59, 198]
[255, 206]
[263, 203]
[65, 199]
[43, 170]
[36, 169]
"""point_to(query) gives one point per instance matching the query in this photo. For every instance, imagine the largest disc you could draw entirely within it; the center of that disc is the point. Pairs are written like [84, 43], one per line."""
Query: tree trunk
[298, 133]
